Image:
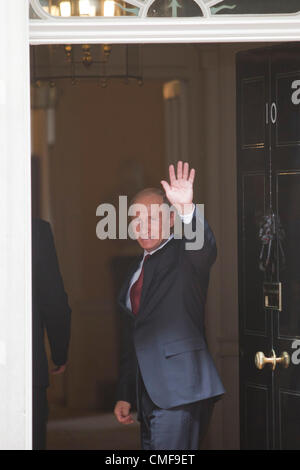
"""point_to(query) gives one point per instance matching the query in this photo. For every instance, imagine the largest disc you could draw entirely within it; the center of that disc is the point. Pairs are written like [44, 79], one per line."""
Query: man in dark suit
[50, 311]
[165, 365]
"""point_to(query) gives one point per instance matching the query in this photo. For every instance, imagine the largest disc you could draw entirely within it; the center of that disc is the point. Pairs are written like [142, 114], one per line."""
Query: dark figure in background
[50, 311]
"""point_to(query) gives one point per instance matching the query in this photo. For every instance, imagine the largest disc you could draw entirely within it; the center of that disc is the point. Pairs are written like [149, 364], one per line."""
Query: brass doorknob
[261, 360]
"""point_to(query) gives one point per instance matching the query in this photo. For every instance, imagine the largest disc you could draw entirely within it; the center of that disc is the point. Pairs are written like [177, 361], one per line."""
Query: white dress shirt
[186, 219]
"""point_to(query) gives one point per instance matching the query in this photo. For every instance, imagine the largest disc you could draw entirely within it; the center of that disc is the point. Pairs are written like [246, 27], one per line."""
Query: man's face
[151, 225]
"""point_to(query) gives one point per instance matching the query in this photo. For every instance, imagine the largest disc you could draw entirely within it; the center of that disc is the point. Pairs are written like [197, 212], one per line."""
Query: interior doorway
[92, 144]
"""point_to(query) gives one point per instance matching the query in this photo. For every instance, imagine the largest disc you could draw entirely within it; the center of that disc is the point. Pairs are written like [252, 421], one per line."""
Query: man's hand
[180, 190]
[122, 412]
[59, 370]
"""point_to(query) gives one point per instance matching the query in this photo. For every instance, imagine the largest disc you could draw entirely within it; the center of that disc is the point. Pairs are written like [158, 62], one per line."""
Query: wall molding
[166, 30]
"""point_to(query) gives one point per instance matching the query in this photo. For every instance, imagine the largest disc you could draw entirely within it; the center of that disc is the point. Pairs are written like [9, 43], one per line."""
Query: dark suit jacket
[50, 309]
[167, 337]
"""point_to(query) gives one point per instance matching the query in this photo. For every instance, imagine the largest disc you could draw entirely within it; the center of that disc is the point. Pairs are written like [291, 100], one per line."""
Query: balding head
[148, 193]
[149, 217]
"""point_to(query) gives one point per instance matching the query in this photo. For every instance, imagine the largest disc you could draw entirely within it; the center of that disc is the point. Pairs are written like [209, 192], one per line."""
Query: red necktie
[136, 290]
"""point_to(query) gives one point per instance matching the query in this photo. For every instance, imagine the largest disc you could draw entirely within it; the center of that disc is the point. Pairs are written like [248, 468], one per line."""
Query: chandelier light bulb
[65, 8]
[54, 10]
[109, 8]
[93, 10]
[84, 7]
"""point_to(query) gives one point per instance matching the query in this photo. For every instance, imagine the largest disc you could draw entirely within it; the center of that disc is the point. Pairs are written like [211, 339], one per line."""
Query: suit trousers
[39, 418]
[179, 428]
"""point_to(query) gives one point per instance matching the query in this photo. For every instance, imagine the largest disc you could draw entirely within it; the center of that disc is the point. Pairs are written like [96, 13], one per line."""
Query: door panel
[254, 315]
[255, 324]
[257, 431]
[289, 418]
[288, 195]
[253, 92]
[253, 95]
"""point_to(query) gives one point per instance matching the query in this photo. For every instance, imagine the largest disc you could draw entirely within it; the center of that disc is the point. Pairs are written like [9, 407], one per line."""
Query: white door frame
[223, 28]
[15, 229]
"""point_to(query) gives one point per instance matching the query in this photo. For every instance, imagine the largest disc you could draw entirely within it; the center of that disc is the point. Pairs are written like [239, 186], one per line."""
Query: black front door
[268, 155]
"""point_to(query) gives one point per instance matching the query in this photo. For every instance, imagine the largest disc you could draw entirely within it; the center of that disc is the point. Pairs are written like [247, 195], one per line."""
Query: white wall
[15, 217]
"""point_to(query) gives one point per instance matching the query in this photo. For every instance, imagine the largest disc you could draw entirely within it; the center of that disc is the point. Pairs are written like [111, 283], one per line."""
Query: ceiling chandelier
[87, 61]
